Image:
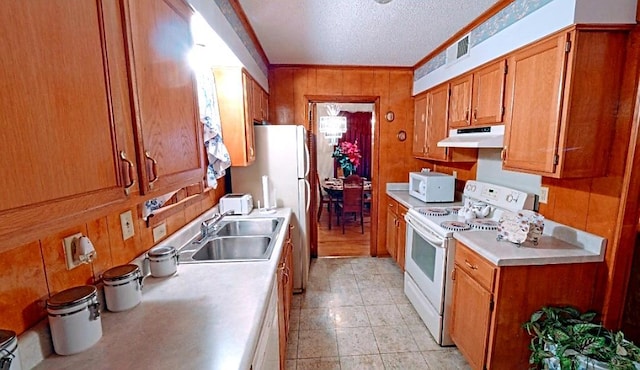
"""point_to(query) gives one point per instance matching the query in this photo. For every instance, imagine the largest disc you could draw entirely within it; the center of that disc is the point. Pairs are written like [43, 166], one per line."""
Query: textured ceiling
[357, 32]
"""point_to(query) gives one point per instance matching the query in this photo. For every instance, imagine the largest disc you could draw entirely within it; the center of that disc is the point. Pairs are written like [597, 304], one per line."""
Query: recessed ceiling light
[382, 1]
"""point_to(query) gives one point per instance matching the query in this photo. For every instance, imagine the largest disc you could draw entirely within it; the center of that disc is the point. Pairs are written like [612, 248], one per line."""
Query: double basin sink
[233, 240]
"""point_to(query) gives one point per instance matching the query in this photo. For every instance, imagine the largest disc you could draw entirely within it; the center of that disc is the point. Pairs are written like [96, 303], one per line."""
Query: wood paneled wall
[31, 272]
[291, 87]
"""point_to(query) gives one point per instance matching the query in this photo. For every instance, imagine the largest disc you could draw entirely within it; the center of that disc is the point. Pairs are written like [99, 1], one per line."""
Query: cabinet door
[265, 105]
[391, 231]
[535, 80]
[420, 126]
[488, 94]
[471, 314]
[234, 89]
[60, 112]
[250, 151]
[165, 96]
[437, 122]
[460, 101]
[256, 101]
[402, 236]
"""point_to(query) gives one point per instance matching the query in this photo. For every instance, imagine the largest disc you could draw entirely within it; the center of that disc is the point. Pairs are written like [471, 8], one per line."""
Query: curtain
[359, 128]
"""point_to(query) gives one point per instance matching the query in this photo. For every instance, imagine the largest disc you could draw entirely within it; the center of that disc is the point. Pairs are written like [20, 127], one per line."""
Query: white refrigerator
[283, 156]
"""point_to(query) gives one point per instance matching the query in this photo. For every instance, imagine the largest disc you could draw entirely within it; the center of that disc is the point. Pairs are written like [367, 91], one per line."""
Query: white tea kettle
[472, 210]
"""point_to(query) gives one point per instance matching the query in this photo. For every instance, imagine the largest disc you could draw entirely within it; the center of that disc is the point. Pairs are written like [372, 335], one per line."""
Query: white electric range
[430, 247]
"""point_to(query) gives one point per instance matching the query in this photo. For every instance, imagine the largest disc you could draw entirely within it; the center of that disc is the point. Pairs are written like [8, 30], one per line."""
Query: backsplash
[34, 271]
[490, 170]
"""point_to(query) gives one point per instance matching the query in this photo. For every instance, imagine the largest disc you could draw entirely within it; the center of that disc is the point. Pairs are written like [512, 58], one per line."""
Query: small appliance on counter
[432, 186]
[240, 204]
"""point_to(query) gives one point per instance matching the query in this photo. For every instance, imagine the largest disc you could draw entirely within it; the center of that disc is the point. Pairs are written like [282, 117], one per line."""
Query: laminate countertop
[207, 315]
[558, 244]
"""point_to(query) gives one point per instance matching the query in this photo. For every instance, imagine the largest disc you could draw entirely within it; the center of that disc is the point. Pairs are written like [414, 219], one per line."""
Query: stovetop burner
[483, 224]
[455, 226]
[433, 211]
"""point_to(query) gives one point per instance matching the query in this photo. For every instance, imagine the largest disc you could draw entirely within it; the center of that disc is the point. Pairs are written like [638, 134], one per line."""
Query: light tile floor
[354, 315]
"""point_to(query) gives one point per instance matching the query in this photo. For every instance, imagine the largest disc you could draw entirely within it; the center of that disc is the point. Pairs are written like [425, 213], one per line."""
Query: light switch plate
[126, 222]
[67, 243]
[544, 195]
[159, 232]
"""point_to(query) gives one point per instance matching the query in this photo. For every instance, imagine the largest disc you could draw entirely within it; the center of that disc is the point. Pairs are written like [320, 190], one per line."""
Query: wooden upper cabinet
[419, 147]
[487, 100]
[564, 92]
[260, 102]
[234, 90]
[460, 101]
[477, 98]
[169, 131]
[437, 104]
[430, 126]
[61, 113]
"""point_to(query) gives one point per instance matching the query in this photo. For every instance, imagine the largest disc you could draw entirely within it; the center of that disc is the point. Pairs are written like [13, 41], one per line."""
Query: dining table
[333, 187]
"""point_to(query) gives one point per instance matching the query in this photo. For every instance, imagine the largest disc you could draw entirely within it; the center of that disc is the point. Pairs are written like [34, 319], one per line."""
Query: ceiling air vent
[458, 50]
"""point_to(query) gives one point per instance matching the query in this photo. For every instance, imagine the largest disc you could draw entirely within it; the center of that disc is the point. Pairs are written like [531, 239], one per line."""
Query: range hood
[477, 137]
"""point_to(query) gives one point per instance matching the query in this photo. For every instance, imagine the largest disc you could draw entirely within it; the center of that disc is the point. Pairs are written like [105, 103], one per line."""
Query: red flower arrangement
[348, 156]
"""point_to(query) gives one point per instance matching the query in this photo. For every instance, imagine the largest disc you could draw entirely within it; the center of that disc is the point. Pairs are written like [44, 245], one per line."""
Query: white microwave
[432, 186]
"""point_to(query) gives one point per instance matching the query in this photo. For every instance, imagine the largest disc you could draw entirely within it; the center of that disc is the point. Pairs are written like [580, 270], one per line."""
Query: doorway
[330, 241]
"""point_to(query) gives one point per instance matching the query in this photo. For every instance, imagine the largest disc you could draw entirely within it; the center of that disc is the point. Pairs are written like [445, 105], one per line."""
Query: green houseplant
[564, 338]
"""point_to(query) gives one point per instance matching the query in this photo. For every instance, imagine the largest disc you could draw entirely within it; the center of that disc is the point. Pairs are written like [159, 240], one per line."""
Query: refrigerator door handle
[308, 189]
[307, 161]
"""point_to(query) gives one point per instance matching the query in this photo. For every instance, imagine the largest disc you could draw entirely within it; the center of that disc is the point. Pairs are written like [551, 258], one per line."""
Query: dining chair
[352, 200]
[324, 198]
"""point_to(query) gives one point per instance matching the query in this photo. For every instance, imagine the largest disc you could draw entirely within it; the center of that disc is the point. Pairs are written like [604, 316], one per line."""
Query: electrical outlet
[159, 232]
[544, 195]
[455, 174]
[126, 222]
[67, 243]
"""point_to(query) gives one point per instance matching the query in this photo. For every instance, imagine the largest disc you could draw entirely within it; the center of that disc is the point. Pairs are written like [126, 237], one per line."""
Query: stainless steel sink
[248, 227]
[235, 248]
[234, 240]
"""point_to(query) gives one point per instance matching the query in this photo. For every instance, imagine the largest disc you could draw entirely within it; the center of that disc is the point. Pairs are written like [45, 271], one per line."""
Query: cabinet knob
[475, 114]
[503, 153]
[131, 170]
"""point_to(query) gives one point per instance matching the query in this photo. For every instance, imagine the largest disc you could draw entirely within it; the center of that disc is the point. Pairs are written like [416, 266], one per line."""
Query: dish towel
[154, 204]
[217, 152]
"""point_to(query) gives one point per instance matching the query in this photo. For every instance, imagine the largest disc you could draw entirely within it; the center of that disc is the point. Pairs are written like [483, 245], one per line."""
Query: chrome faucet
[212, 222]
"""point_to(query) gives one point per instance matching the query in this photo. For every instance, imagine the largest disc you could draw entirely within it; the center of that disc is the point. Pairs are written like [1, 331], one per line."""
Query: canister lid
[162, 251]
[121, 272]
[6, 337]
[72, 296]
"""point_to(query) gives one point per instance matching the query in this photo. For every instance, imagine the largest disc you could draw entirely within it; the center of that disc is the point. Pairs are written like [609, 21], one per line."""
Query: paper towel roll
[265, 191]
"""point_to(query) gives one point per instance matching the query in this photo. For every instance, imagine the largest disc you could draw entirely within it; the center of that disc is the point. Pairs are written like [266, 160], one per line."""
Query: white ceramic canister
[9, 356]
[122, 287]
[163, 261]
[74, 318]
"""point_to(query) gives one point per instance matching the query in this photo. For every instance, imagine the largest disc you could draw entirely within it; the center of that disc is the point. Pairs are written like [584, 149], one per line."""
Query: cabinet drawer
[477, 267]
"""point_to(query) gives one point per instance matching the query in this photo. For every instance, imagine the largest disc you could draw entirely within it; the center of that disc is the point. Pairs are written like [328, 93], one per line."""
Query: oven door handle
[431, 237]
[422, 230]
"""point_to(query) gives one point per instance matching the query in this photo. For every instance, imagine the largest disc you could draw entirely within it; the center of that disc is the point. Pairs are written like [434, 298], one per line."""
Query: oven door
[426, 258]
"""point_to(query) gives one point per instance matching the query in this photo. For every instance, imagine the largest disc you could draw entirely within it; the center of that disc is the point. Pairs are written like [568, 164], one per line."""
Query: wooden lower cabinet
[490, 303]
[285, 296]
[396, 231]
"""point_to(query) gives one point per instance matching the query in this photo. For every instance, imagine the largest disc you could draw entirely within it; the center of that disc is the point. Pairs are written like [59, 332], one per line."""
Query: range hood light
[482, 137]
